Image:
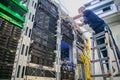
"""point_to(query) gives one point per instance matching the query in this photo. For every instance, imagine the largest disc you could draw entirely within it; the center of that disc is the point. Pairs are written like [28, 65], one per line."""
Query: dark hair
[81, 8]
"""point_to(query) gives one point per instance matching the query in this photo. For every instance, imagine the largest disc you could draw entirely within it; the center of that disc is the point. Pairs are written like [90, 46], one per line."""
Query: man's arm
[77, 16]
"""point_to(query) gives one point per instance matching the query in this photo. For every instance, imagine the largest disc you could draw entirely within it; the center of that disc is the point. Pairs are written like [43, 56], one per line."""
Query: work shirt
[92, 19]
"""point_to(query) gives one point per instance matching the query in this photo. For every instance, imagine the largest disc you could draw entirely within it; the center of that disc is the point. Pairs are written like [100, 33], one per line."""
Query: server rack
[67, 68]
[43, 36]
[11, 23]
[9, 36]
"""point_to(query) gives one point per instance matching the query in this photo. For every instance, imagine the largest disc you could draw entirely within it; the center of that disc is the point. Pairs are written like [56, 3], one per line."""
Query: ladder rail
[108, 54]
[114, 51]
[93, 55]
[101, 61]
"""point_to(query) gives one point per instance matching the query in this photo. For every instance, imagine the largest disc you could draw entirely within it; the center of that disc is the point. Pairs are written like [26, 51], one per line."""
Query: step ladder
[112, 58]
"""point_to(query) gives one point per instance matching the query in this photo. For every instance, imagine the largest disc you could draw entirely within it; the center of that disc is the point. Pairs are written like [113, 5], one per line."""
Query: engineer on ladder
[97, 24]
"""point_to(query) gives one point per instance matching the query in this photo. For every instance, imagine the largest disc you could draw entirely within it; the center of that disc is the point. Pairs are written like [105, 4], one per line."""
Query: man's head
[81, 9]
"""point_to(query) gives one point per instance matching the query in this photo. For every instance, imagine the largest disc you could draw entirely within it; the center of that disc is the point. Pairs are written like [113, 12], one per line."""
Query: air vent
[107, 9]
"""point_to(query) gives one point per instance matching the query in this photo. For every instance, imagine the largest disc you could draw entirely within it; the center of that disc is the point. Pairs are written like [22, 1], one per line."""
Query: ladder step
[99, 46]
[100, 37]
[100, 75]
[102, 59]
[114, 61]
[103, 49]
[99, 34]
[105, 63]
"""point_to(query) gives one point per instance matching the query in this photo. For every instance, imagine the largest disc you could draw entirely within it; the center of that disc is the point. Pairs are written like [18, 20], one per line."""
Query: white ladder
[112, 58]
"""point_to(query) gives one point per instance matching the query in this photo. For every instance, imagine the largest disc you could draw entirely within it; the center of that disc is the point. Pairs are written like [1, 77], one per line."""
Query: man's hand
[80, 24]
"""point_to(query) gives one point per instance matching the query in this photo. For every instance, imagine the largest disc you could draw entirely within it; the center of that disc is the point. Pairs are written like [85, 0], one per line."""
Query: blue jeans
[101, 41]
